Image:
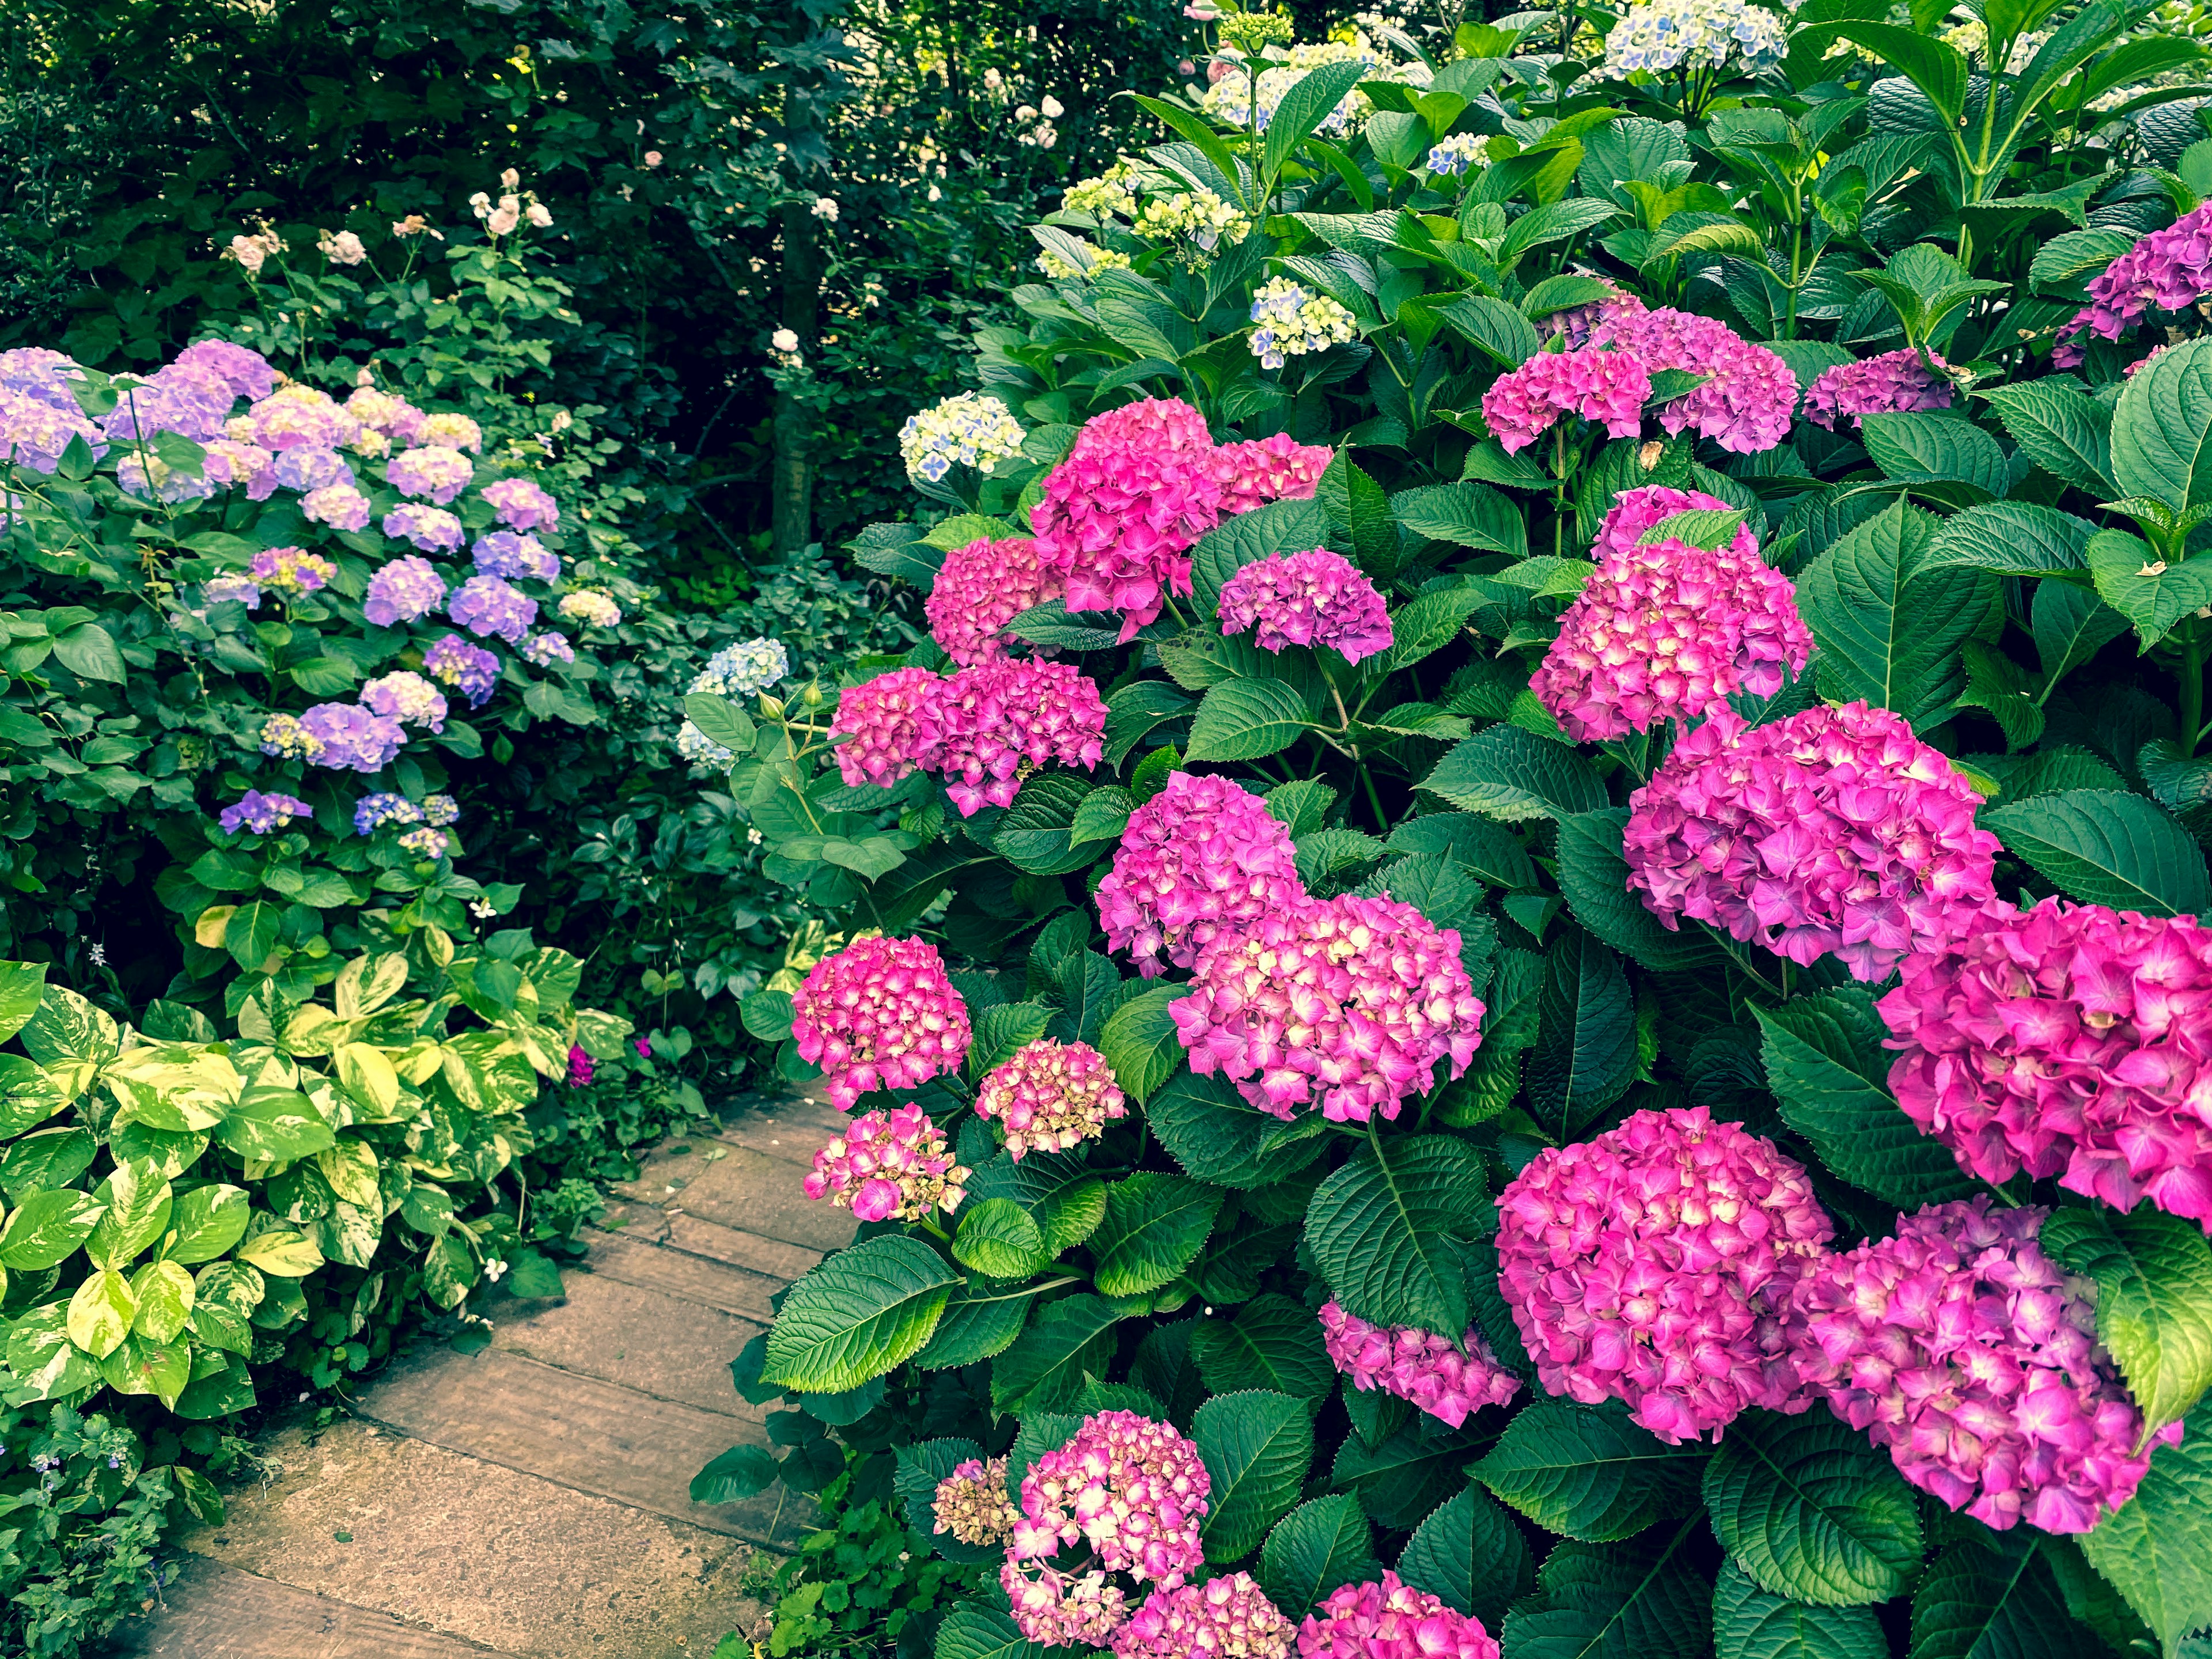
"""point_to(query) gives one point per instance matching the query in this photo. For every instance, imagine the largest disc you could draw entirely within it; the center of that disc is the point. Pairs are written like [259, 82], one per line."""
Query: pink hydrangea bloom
[1389, 1619]
[522, 504]
[1892, 382]
[988, 726]
[1579, 325]
[1202, 857]
[432, 471]
[339, 506]
[1961, 1348]
[1418, 1365]
[1655, 1264]
[1348, 1004]
[972, 1505]
[1051, 1096]
[1263, 470]
[1316, 597]
[1668, 631]
[889, 1166]
[2169, 270]
[1226, 1618]
[981, 588]
[1120, 513]
[879, 1014]
[883, 719]
[2070, 1040]
[1744, 404]
[1833, 832]
[244, 371]
[1134, 1492]
[1606, 386]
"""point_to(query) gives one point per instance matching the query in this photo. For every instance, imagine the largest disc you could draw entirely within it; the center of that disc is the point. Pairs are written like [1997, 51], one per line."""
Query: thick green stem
[2192, 688]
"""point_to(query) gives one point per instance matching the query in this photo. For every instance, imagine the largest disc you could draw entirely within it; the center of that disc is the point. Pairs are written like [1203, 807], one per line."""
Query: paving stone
[747, 1190]
[696, 1235]
[679, 1273]
[639, 1338]
[214, 1612]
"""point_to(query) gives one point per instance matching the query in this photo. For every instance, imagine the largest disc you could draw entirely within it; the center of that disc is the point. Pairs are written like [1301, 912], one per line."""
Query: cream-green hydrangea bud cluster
[1060, 270]
[1112, 193]
[1293, 321]
[968, 430]
[1199, 219]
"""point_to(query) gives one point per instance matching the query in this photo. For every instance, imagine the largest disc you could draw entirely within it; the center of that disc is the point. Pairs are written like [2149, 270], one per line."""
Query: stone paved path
[531, 1499]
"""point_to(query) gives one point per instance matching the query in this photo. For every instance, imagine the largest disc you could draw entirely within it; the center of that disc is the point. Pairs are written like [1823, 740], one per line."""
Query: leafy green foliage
[1811, 1511]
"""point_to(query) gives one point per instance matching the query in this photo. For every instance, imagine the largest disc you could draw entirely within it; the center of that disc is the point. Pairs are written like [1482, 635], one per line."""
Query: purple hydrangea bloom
[352, 736]
[432, 471]
[404, 590]
[487, 606]
[408, 698]
[547, 648]
[372, 812]
[246, 373]
[192, 403]
[308, 468]
[470, 669]
[221, 590]
[507, 554]
[2169, 270]
[262, 813]
[41, 374]
[339, 505]
[430, 528]
[522, 505]
[33, 431]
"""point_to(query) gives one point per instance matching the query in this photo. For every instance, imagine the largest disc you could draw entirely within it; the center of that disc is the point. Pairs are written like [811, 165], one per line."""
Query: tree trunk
[794, 475]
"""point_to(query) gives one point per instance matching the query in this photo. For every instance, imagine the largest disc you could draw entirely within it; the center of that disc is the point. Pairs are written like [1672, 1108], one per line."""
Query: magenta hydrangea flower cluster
[1745, 402]
[972, 1505]
[1835, 831]
[891, 1166]
[1348, 1004]
[1609, 387]
[1132, 1489]
[1418, 1365]
[1201, 858]
[1388, 1618]
[1655, 1265]
[879, 1014]
[1051, 1096]
[1263, 470]
[2169, 270]
[1316, 597]
[1892, 383]
[1226, 1618]
[1961, 1348]
[979, 588]
[262, 813]
[2069, 1039]
[982, 730]
[1668, 631]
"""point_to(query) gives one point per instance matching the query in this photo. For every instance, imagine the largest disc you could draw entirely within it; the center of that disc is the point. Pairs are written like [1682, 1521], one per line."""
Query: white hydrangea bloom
[1293, 322]
[743, 669]
[969, 430]
[1662, 35]
[695, 746]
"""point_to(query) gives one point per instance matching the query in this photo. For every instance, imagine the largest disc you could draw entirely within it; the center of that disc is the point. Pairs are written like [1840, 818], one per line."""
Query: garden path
[531, 1499]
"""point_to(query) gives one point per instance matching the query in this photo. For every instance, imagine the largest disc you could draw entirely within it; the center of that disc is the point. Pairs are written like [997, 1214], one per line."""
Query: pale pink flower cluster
[982, 730]
[1594, 384]
[981, 587]
[891, 1166]
[1668, 631]
[1744, 404]
[1201, 858]
[1226, 1618]
[2070, 1040]
[1389, 1619]
[1051, 1096]
[879, 1014]
[1263, 470]
[1135, 1492]
[1833, 832]
[1418, 1365]
[1892, 383]
[1654, 1265]
[972, 1504]
[1347, 1004]
[1959, 1346]
[1316, 597]
[2169, 269]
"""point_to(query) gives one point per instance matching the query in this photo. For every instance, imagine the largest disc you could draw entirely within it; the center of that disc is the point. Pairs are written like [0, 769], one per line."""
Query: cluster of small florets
[1745, 402]
[1655, 1265]
[1668, 631]
[1418, 1365]
[285, 736]
[2169, 270]
[1660, 36]
[1051, 1096]
[516, 556]
[1592, 384]
[1389, 1619]
[979, 588]
[1460, 152]
[744, 668]
[349, 737]
[1316, 597]
[972, 1504]
[982, 729]
[967, 431]
[544, 648]
[402, 591]
[1197, 220]
[594, 607]
[1226, 1618]
[889, 1166]
[1112, 194]
[880, 721]
[490, 608]
[432, 529]
[1960, 1346]
[1347, 1004]
[1202, 858]
[1135, 1492]
[1101, 258]
[1241, 100]
[2070, 1040]
[522, 505]
[290, 570]
[432, 471]
[1262, 470]
[295, 417]
[408, 698]
[470, 669]
[1892, 383]
[1835, 831]
[262, 813]
[1294, 322]
[879, 1014]
[372, 812]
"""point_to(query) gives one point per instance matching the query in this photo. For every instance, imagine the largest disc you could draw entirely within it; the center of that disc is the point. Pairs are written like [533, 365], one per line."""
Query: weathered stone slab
[747, 1190]
[769, 1257]
[637, 1338]
[213, 1612]
[696, 1278]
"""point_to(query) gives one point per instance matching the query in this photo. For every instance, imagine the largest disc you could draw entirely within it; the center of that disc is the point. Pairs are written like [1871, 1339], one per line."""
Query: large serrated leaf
[858, 1313]
[1588, 1471]
[2107, 847]
[1640, 1601]
[1154, 1228]
[1247, 720]
[976, 1630]
[1272, 1343]
[1314, 1549]
[1594, 880]
[2157, 1549]
[1506, 773]
[1812, 1510]
[1586, 1054]
[1256, 1447]
[1139, 1041]
[2011, 539]
[1748, 1623]
[1045, 1368]
[1214, 1133]
[2162, 428]
[2154, 1273]
[1990, 1596]
[1470, 1555]
[1381, 1230]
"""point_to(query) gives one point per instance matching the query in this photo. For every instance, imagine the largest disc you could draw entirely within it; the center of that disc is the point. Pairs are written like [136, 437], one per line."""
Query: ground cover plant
[1521, 966]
